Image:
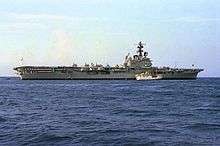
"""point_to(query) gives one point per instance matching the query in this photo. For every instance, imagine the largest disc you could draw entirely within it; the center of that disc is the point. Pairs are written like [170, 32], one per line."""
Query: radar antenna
[126, 57]
[22, 61]
[140, 49]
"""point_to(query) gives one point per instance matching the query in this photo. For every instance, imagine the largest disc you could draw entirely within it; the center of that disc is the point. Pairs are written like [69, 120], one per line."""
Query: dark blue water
[110, 112]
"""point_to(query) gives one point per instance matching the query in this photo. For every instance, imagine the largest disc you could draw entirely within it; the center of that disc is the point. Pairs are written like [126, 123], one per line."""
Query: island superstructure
[138, 64]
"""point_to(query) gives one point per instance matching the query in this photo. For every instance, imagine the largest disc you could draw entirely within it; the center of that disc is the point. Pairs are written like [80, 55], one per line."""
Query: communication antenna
[175, 64]
[144, 44]
[140, 47]
[22, 61]
[126, 57]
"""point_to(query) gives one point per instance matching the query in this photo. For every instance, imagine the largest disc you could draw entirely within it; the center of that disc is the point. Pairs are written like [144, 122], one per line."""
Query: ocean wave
[39, 139]
[2, 120]
[109, 112]
[203, 126]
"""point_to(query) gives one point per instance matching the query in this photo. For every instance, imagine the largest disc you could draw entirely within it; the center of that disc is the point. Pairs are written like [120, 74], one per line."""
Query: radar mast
[140, 49]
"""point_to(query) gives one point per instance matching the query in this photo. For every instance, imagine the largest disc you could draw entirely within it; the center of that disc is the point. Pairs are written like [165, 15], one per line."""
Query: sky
[177, 33]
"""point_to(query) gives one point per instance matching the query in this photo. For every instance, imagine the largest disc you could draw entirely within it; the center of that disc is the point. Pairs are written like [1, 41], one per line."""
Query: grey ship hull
[168, 73]
[124, 76]
[70, 74]
[176, 76]
[77, 76]
[169, 76]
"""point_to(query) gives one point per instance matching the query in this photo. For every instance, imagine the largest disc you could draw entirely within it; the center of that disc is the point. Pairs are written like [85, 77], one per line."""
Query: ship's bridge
[140, 60]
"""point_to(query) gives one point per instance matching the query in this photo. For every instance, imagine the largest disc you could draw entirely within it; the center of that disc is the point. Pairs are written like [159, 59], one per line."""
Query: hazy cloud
[42, 16]
[191, 19]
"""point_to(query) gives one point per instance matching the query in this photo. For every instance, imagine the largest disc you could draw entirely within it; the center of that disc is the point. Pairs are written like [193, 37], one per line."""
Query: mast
[140, 49]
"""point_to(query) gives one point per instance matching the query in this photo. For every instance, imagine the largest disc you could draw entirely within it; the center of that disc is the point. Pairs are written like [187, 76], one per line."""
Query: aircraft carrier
[134, 67]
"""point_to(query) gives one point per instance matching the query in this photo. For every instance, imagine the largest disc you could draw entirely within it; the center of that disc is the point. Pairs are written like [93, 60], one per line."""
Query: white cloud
[40, 16]
[25, 21]
[191, 19]
[36, 16]
[16, 26]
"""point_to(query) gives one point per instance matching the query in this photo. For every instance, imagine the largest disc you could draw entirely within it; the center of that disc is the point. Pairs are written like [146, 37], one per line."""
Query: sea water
[70, 112]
